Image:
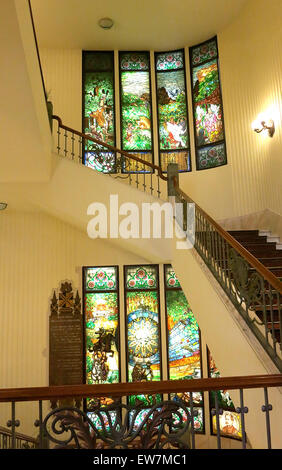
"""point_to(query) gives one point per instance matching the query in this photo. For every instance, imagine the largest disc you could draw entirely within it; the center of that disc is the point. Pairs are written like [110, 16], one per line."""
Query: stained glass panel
[204, 52]
[183, 338]
[184, 352]
[172, 109]
[171, 278]
[134, 61]
[136, 132]
[229, 421]
[104, 278]
[102, 357]
[98, 90]
[211, 156]
[207, 106]
[170, 60]
[143, 329]
[141, 277]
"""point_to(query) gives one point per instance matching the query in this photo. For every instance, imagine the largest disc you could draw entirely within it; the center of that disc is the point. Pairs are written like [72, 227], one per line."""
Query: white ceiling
[142, 24]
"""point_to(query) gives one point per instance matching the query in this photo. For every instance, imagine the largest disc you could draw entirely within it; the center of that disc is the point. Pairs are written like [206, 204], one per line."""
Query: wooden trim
[135, 388]
[111, 148]
[254, 262]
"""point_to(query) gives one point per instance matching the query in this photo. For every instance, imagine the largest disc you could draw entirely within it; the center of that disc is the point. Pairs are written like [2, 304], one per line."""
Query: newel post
[172, 173]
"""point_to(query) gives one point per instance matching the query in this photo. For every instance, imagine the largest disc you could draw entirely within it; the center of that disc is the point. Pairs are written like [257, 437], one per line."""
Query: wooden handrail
[135, 388]
[252, 260]
[111, 148]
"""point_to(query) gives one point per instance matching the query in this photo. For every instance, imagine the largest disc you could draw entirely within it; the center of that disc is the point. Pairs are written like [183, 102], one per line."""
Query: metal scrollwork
[166, 424]
[248, 286]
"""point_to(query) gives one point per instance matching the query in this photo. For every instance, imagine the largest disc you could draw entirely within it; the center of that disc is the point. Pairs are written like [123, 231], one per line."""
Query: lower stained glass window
[143, 329]
[184, 351]
[101, 312]
[229, 421]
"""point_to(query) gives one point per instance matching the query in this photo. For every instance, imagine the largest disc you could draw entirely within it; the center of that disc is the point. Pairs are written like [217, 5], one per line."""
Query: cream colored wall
[250, 64]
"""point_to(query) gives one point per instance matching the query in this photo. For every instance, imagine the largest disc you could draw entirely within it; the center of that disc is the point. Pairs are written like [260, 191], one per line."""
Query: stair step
[271, 262]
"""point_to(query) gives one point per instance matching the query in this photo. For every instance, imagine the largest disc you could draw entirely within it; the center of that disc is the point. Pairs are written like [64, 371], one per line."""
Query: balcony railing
[166, 424]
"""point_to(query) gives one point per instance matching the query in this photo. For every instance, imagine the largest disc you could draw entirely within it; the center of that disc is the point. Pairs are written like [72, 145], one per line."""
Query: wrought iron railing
[9, 440]
[166, 424]
[253, 289]
[100, 156]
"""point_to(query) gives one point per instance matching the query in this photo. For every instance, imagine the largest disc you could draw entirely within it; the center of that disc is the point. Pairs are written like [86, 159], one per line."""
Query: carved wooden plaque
[65, 338]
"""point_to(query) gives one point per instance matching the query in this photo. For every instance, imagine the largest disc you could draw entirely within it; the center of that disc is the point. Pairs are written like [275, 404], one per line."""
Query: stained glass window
[99, 109]
[101, 313]
[135, 107]
[229, 421]
[172, 110]
[184, 351]
[207, 106]
[143, 330]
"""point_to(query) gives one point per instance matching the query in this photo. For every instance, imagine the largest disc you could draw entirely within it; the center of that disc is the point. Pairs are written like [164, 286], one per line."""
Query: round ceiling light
[3, 206]
[105, 23]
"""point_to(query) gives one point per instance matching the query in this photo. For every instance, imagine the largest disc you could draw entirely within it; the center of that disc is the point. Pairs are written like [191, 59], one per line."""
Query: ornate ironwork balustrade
[167, 424]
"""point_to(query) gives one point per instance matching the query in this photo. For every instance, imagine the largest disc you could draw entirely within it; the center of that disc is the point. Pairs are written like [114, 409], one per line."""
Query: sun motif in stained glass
[143, 337]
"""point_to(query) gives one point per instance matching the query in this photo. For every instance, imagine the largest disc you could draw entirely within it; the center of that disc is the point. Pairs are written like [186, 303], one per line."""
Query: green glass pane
[172, 110]
[170, 60]
[136, 111]
[101, 278]
[170, 278]
[207, 104]
[143, 342]
[204, 52]
[141, 277]
[134, 61]
[98, 61]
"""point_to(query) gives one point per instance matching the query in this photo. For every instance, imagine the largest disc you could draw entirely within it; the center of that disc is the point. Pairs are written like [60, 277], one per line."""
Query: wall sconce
[3, 206]
[263, 124]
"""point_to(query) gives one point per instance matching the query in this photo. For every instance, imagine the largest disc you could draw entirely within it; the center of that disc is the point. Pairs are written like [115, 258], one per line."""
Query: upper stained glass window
[172, 109]
[99, 109]
[184, 352]
[135, 104]
[207, 106]
[229, 420]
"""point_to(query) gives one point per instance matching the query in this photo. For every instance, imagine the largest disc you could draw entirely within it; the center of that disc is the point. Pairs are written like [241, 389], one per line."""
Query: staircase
[271, 257]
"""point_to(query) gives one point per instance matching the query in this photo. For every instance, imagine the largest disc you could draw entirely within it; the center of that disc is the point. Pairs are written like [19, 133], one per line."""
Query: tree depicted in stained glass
[229, 420]
[172, 109]
[99, 122]
[207, 106]
[136, 126]
[207, 103]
